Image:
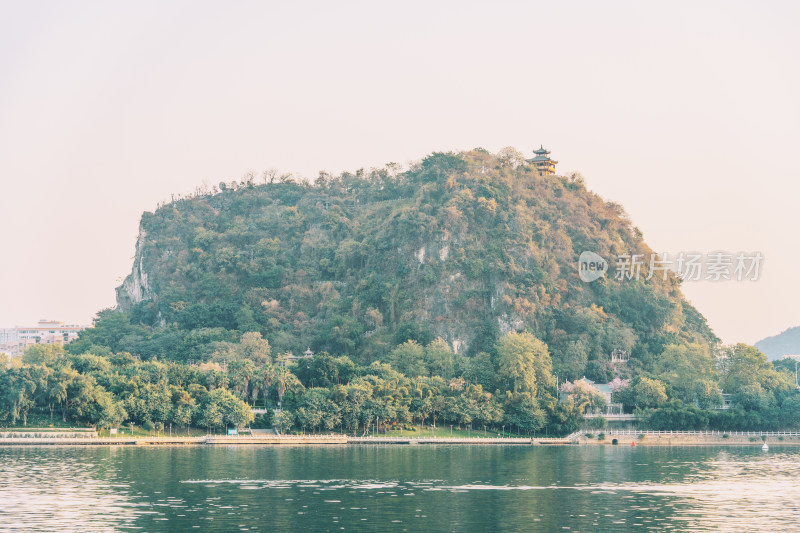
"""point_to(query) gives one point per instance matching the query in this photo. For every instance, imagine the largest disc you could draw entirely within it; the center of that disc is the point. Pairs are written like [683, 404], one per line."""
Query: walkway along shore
[270, 440]
[621, 438]
[687, 438]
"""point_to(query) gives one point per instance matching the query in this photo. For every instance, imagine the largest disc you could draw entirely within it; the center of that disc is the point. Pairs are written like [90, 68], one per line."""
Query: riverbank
[689, 438]
[608, 438]
[271, 440]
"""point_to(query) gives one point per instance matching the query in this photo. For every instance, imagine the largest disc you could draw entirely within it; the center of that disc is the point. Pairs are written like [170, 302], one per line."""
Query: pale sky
[686, 114]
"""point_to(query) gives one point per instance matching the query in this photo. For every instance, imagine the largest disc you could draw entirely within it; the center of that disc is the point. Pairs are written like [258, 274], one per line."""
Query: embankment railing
[696, 433]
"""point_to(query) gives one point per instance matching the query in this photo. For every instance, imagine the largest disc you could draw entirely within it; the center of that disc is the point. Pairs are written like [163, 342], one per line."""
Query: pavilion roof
[541, 151]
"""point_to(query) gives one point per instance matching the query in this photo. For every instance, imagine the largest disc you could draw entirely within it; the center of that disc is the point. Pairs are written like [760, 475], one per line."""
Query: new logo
[591, 266]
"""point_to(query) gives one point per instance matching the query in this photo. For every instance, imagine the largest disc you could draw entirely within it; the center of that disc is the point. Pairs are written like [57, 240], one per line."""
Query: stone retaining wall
[692, 440]
[47, 434]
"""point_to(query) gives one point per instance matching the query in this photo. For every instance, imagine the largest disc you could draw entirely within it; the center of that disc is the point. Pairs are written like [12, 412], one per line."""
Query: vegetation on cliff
[463, 247]
[447, 293]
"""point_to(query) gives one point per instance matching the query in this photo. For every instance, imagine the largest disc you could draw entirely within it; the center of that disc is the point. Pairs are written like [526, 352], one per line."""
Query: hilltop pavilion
[542, 161]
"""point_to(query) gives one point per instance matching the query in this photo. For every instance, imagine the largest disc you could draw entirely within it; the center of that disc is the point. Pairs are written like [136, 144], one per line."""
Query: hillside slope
[781, 345]
[462, 246]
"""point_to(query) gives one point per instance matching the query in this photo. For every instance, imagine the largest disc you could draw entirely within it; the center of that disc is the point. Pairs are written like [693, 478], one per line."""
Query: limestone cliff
[461, 246]
[135, 288]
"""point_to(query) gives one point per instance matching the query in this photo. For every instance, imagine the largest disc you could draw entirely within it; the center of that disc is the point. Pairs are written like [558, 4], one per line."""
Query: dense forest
[447, 293]
[417, 385]
[464, 247]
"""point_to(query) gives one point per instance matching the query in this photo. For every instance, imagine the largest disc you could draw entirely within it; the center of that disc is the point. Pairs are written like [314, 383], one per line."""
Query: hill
[781, 345]
[448, 293]
[465, 246]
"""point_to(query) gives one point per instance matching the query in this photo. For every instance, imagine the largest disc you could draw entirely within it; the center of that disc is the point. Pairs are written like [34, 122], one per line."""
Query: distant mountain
[781, 345]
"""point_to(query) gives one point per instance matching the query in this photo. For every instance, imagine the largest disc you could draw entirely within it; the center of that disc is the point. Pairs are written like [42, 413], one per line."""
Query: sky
[685, 113]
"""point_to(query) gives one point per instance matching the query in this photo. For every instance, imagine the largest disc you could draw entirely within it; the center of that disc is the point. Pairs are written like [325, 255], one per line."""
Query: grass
[126, 431]
[444, 432]
[136, 431]
[33, 429]
[441, 432]
[42, 422]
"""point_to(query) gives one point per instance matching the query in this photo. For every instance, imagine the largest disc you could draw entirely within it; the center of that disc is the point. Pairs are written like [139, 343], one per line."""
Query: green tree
[222, 408]
[20, 390]
[241, 373]
[525, 362]
[183, 408]
[751, 379]
[284, 380]
[43, 354]
[255, 348]
[439, 359]
[480, 371]
[409, 359]
[790, 412]
[565, 418]
[320, 371]
[210, 414]
[677, 415]
[105, 410]
[689, 370]
[149, 403]
[317, 411]
[524, 413]
[584, 395]
[648, 392]
[283, 421]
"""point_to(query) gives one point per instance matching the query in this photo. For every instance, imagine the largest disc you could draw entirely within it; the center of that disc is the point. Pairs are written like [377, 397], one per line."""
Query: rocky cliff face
[135, 289]
[462, 246]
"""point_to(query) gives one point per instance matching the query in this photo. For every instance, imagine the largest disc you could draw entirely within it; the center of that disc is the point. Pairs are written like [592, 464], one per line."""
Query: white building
[14, 341]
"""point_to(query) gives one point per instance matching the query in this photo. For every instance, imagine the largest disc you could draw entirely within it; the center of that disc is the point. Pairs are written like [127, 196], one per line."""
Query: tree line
[323, 393]
[513, 388]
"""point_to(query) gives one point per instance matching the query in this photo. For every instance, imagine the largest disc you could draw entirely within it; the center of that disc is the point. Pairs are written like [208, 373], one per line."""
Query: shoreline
[275, 440]
[642, 439]
[688, 438]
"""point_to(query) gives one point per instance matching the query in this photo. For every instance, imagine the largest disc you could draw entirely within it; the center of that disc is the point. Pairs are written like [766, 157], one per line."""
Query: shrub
[589, 435]
[262, 421]
[725, 435]
[601, 436]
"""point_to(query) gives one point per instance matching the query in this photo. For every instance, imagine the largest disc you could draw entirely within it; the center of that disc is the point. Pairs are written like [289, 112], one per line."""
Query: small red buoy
[633, 444]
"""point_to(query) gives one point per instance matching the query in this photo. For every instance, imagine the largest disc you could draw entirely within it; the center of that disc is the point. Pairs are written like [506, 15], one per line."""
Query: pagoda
[542, 161]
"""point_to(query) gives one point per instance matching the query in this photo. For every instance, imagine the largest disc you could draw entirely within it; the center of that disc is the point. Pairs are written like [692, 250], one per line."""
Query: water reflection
[64, 489]
[735, 491]
[447, 488]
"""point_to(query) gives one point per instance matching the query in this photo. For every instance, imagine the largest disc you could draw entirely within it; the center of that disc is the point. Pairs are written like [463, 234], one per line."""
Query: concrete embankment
[666, 438]
[274, 440]
[277, 439]
[126, 441]
[39, 433]
[627, 438]
[437, 440]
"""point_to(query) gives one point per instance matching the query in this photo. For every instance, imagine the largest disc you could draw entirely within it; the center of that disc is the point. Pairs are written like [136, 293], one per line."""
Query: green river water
[399, 488]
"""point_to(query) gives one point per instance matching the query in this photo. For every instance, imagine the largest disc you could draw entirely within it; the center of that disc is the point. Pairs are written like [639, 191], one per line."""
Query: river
[399, 488]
